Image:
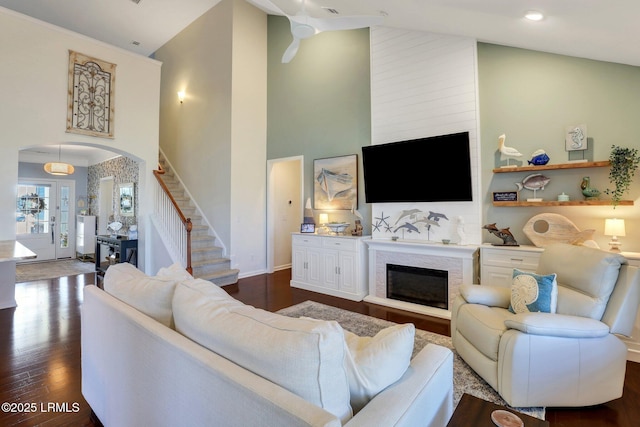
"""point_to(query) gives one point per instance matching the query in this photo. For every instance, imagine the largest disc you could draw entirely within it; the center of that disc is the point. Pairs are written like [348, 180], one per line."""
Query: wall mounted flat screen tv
[434, 169]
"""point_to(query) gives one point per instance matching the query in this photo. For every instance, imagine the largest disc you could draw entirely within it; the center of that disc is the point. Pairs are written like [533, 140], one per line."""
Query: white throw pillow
[198, 293]
[374, 363]
[305, 357]
[150, 295]
[175, 270]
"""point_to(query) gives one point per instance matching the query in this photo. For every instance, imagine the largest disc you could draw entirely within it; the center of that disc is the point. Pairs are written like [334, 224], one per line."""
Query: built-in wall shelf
[570, 165]
[524, 203]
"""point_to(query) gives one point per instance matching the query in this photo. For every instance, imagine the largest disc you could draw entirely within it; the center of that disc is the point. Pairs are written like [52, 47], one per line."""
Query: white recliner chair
[568, 358]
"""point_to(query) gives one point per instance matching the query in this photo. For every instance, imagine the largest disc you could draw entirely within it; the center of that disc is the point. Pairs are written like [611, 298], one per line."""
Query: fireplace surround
[459, 262]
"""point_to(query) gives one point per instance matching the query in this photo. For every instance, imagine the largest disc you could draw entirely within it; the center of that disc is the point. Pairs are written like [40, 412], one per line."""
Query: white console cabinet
[332, 265]
[497, 264]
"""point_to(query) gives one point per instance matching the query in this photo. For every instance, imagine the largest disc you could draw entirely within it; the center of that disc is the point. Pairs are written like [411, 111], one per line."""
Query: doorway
[44, 217]
[285, 195]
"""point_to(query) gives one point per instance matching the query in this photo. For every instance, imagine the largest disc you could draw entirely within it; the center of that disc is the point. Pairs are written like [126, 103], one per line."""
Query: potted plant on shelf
[624, 163]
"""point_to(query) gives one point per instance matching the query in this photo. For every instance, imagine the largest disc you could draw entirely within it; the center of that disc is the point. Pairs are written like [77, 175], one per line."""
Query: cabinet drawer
[512, 259]
[340, 243]
[496, 276]
[309, 241]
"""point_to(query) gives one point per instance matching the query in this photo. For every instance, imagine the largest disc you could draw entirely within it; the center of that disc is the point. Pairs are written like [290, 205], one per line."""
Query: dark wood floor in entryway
[40, 351]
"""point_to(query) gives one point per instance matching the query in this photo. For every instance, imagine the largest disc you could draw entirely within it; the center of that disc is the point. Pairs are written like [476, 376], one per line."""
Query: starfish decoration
[381, 220]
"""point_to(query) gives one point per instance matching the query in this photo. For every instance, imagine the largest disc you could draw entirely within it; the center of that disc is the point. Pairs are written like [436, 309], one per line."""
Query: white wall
[423, 85]
[249, 140]
[33, 111]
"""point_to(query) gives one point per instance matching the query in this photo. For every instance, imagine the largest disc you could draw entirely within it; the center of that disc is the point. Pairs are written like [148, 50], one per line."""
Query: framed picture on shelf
[307, 227]
[576, 138]
[505, 196]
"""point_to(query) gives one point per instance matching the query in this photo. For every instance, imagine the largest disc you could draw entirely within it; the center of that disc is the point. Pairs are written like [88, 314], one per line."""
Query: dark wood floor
[40, 352]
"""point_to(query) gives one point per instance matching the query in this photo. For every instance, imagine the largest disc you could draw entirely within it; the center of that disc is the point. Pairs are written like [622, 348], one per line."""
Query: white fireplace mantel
[459, 261]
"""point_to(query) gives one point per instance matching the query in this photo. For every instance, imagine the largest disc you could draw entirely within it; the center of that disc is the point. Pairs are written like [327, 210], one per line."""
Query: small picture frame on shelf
[576, 138]
[307, 228]
[505, 196]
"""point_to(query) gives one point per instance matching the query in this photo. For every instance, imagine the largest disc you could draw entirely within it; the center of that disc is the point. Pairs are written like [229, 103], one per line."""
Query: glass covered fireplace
[418, 285]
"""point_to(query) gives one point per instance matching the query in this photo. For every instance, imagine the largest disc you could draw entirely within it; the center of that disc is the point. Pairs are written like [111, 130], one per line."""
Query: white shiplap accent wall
[422, 85]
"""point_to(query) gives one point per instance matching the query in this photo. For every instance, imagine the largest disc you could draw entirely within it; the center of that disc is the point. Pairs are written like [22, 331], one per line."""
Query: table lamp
[323, 218]
[614, 227]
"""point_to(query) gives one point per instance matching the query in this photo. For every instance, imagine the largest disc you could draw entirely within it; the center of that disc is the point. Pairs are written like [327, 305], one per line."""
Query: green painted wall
[532, 97]
[319, 104]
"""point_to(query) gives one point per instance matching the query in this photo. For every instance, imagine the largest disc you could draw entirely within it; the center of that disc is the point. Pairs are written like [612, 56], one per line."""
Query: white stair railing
[175, 226]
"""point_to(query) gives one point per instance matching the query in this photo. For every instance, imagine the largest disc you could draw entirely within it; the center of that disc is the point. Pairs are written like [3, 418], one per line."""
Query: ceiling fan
[304, 26]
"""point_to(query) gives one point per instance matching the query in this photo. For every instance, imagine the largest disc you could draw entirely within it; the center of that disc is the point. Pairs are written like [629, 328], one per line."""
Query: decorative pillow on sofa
[532, 292]
[374, 363]
[303, 356]
[175, 270]
[151, 295]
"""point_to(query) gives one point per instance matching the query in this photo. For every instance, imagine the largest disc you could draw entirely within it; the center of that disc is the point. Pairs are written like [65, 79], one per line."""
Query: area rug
[30, 272]
[465, 380]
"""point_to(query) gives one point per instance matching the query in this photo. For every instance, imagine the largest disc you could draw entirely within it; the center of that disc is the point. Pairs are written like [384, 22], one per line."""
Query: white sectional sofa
[148, 361]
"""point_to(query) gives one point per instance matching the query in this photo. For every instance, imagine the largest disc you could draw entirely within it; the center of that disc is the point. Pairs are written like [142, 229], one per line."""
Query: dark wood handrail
[185, 221]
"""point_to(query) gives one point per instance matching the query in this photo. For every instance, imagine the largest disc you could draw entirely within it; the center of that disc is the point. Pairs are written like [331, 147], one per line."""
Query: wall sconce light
[323, 218]
[534, 15]
[614, 227]
[181, 96]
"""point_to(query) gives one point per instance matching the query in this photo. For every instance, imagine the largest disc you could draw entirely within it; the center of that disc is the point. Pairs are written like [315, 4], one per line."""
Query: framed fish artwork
[335, 182]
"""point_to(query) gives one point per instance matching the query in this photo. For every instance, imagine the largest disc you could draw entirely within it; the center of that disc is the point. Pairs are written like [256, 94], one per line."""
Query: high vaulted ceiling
[595, 29]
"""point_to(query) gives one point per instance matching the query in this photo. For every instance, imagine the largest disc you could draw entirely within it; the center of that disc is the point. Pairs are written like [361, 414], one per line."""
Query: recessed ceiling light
[534, 15]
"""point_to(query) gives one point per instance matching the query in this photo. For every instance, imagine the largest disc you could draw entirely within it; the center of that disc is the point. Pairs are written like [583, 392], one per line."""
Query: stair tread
[220, 273]
[210, 261]
[207, 249]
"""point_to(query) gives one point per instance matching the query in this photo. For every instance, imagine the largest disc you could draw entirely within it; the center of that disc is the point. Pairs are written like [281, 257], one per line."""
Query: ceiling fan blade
[344, 23]
[291, 51]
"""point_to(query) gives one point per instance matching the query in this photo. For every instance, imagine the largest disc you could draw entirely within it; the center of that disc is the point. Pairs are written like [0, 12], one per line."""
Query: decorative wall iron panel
[91, 96]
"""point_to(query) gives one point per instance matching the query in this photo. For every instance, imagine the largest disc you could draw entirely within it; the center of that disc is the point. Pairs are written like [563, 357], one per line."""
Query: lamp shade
[57, 168]
[323, 218]
[614, 227]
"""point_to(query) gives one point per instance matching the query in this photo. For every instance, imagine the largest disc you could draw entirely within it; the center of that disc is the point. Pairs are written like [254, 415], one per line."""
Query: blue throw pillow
[531, 292]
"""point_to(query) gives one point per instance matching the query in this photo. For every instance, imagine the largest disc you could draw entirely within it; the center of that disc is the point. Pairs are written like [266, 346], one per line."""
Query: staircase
[207, 256]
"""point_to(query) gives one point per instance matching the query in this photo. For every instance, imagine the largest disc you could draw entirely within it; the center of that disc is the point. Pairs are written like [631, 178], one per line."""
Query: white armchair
[567, 358]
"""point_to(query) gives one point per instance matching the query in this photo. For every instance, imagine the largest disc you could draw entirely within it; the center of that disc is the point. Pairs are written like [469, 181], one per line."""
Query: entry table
[125, 248]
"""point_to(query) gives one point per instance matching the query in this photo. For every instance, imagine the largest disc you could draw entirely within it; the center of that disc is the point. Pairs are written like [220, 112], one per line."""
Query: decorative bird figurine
[507, 152]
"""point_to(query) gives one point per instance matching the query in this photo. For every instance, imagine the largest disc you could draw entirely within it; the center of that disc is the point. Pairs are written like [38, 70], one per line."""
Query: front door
[45, 211]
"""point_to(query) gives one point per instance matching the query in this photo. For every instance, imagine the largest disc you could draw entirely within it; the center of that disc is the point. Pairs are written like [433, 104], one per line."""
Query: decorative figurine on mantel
[589, 192]
[460, 230]
[507, 152]
[504, 234]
